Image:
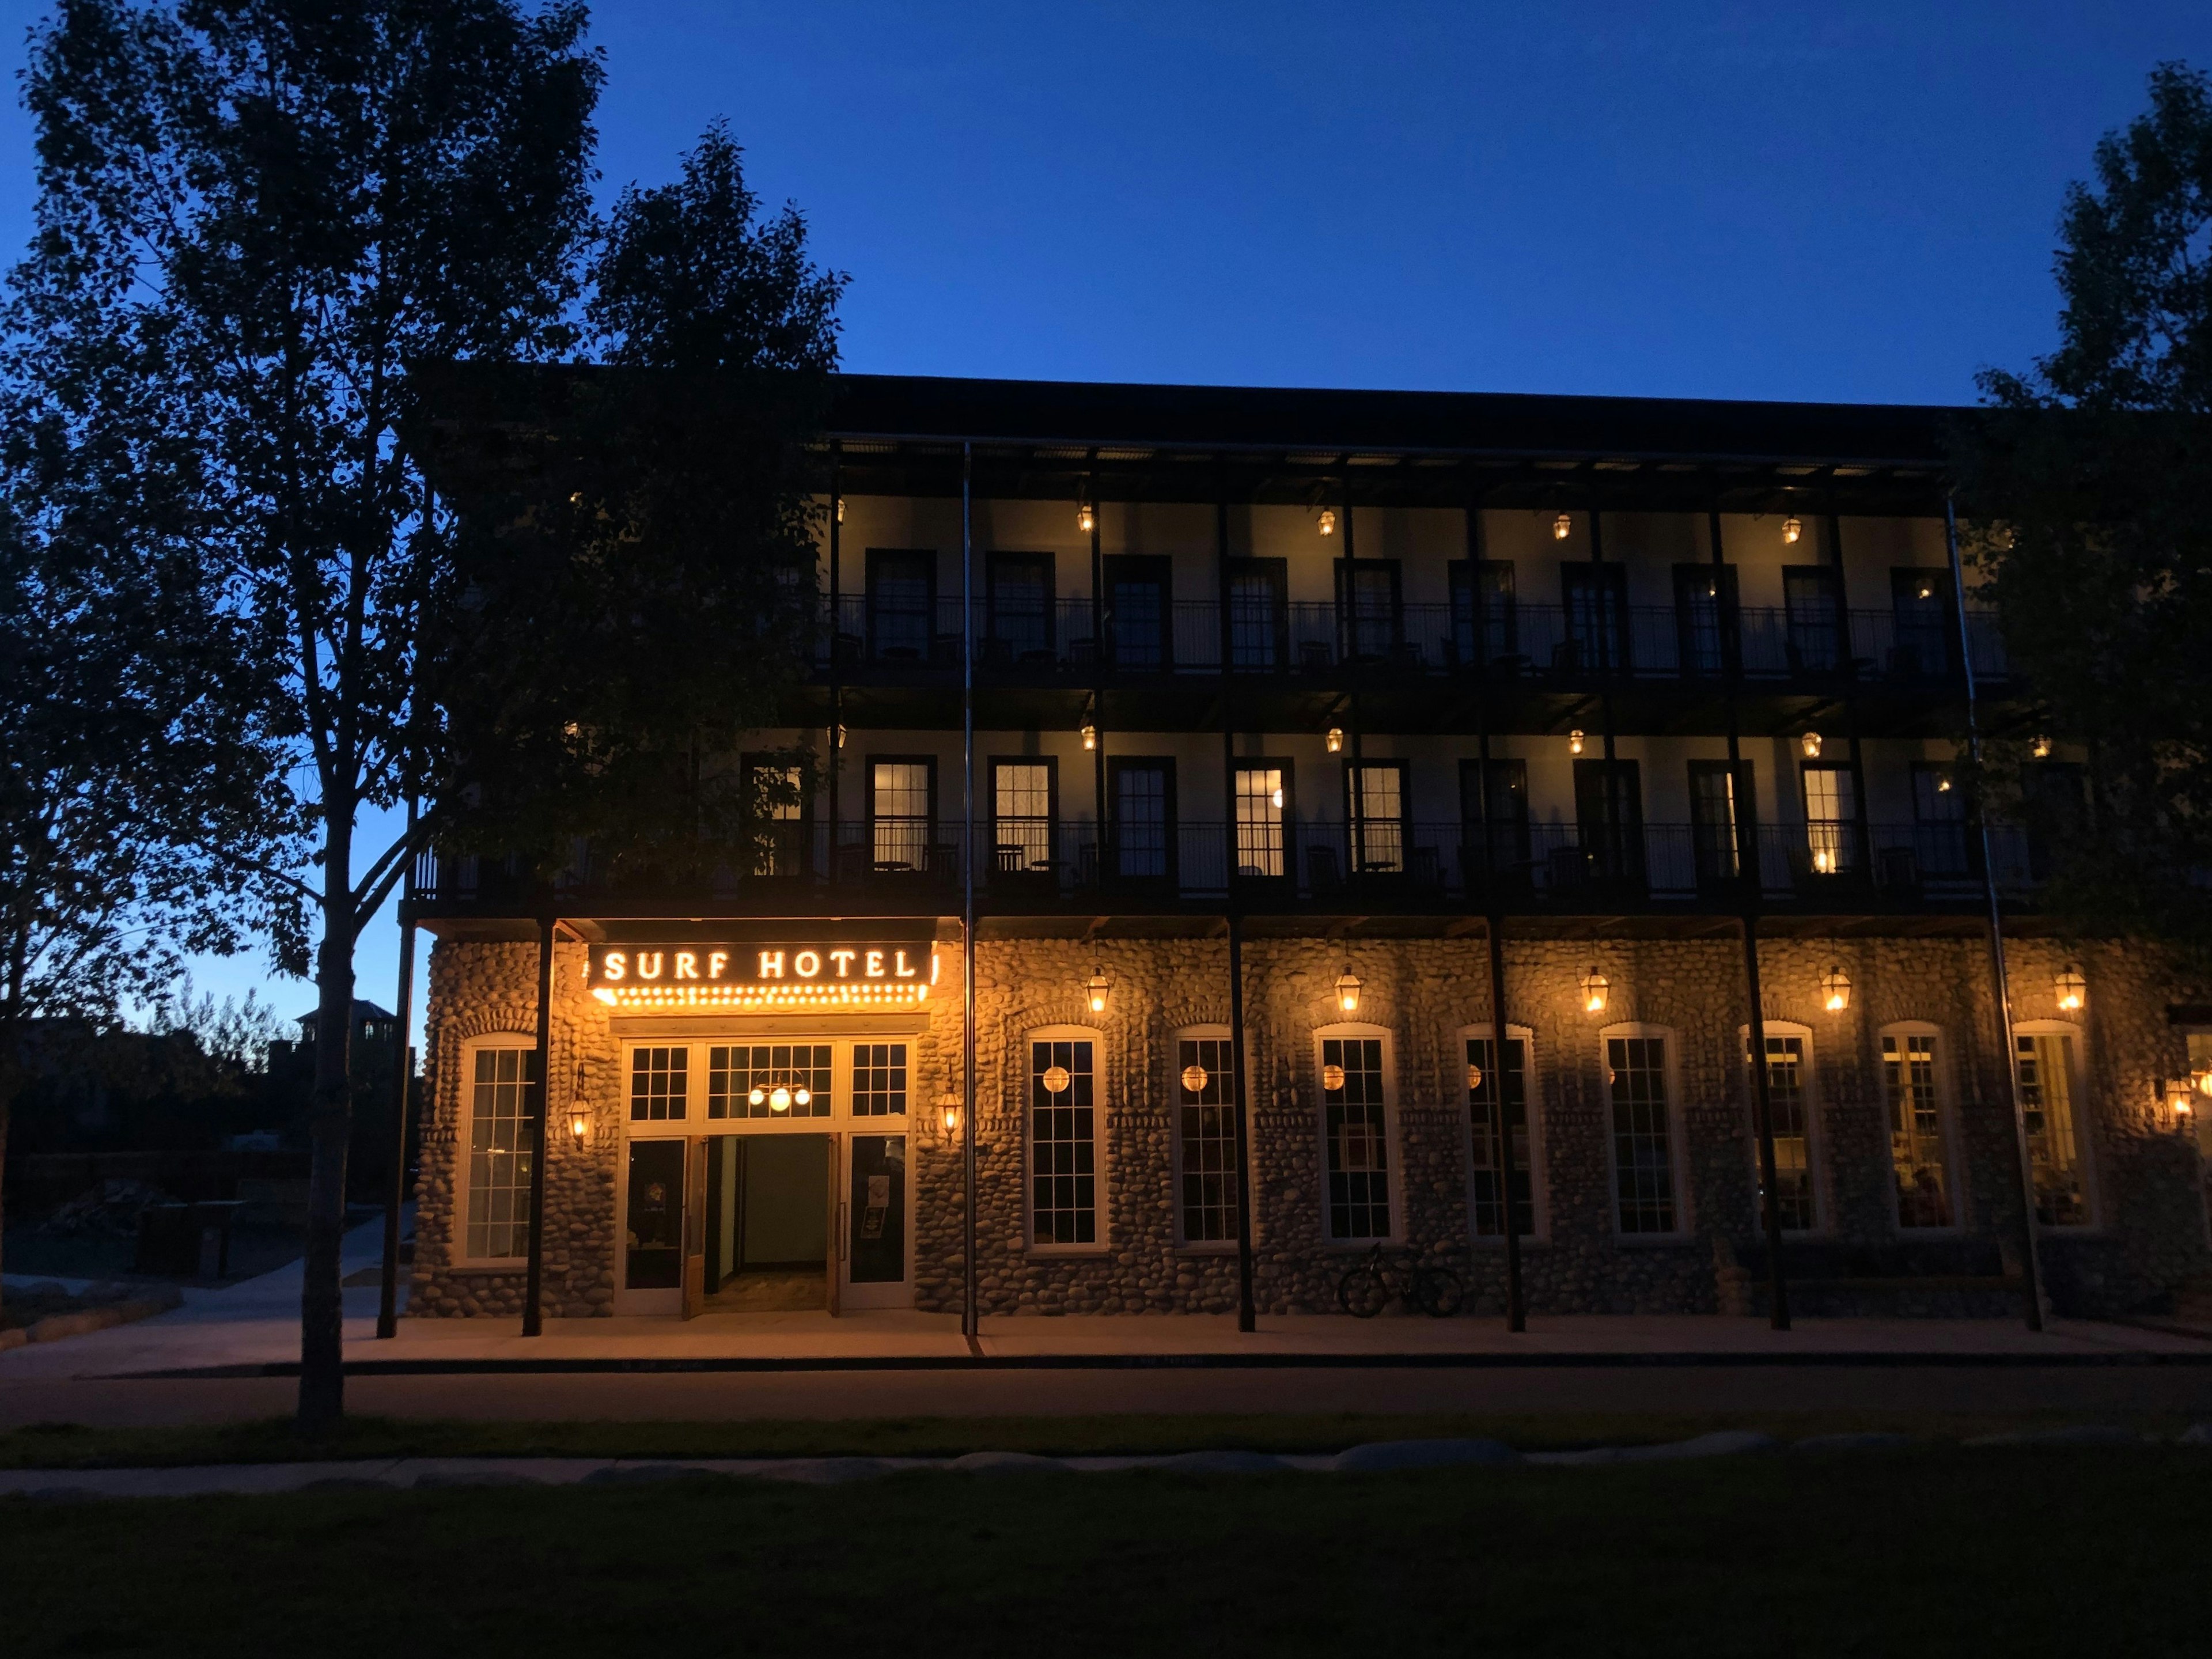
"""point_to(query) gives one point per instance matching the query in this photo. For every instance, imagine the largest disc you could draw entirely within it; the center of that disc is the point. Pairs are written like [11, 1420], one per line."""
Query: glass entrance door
[874, 1222]
[653, 1228]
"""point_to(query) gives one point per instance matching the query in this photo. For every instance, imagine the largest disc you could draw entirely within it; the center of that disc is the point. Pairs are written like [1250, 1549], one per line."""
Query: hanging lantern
[1055, 1080]
[1328, 522]
[1835, 990]
[1193, 1080]
[1335, 740]
[1331, 1079]
[1792, 528]
[1100, 985]
[1085, 519]
[1594, 987]
[580, 1121]
[1090, 735]
[2040, 748]
[1810, 743]
[779, 1099]
[2073, 990]
[1347, 991]
[1575, 742]
[839, 730]
[1562, 525]
[841, 509]
[948, 1112]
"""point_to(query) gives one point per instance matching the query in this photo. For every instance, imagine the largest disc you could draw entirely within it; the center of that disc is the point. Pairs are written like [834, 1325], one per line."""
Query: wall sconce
[841, 509]
[1087, 519]
[1335, 740]
[1596, 987]
[2073, 990]
[1575, 741]
[1810, 743]
[840, 732]
[580, 1121]
[2040, 748]
[1099, 989]
[1835, 990]
[948, 1112]
[1347, 991]
[1561, 526]
[1792, 528]
[2179, 1102]
[1328, 522]
[1090, 735]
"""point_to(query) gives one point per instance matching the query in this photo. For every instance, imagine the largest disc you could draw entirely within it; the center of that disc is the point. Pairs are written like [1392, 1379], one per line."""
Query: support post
[1742, 825]
[1101, 619]
[541, 1095]
[2031, 1272]
[970, 1322]
[837, 636]
[1246, 1310]
[395, 1195]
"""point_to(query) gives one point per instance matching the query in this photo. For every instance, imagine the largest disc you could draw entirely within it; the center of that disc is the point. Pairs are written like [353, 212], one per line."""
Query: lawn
[1936, 1549]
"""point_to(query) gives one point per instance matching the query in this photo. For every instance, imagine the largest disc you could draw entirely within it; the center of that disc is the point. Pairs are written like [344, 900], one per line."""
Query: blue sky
[1836, 201]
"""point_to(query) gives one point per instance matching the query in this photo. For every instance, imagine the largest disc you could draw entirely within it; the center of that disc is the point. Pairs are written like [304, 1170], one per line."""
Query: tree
[284, 206]
[2088, 490]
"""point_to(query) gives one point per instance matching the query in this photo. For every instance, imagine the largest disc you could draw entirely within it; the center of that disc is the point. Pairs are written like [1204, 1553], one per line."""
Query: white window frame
[1537, 1230]
[1394, 1170]
[1177, 1038]
[2084, 1141]
[1946, 1115]
[1815, 1162]
[1102, 1190]
[464, 1136]
[1677, 1139]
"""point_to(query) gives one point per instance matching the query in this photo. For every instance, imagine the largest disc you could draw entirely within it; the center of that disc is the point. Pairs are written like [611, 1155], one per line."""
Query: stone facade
[2150, 1227]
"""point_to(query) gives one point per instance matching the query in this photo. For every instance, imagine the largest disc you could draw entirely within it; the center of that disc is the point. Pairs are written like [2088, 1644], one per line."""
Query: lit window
[1788, 1100]
[1916, 1148]
[737, 1072]
[499, 1154]
[878, 1079]
[1063, 1143]
[1021, 812]
[659, 1084]
[1643, 1140]
[1831, 819]
[1260, 803]
[899, 802]
[1205, 1140]
[1357, 1134]
[2054, 1131]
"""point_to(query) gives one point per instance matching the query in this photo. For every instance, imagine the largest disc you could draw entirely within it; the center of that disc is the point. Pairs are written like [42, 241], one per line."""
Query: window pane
[659, 1079]
[1260, 804]
[899, 796]
[1786, 1100]
[878, 1079]
[736, 1072]
[499, 1157]
[1915, 1132]
[2054, 1141]
[1357, 1137]
[1140, 820]
[1831, 818]
[1643, 1148]
[1063, 1146]
[1021, 802]
[1482, 1106]
[1378, 820]
[1206, 1141]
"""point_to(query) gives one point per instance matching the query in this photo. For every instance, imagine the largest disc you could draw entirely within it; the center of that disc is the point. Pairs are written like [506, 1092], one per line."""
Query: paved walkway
[227, 1353]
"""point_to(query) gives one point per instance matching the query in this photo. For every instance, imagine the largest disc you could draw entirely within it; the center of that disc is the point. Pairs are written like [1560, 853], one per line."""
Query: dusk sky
[1852, 202]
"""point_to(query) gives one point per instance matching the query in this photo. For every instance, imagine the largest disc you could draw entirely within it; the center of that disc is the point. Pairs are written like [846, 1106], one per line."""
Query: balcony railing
[1394, 864]
[1518, 641]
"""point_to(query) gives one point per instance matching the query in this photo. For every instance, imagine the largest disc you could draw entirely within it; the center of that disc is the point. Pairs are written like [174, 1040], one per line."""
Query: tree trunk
[322, 1304]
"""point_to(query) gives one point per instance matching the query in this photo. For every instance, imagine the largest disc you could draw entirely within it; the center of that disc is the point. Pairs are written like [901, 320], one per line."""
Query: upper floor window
[1142, 792]
[1021, 816]
[1926, 639]
[1019, 595]
[1717, 796]
[1367, 606]
[777, 831]
[1704, 617]
[1609, 822]
[1140, 630]
[1376, 806]
[901, 603]
[1597, 614]
[1485, 624]
[1205, 1137]
[1258, 614]
[1919, 1143]
[2045, 1063]
[1832, 818]
[1940, 846]
[1262, 816]
[1063, 1139]
[901, 812]
[1356, 1133]
[1639, 1093]
[1812, 611]
[1494, 819]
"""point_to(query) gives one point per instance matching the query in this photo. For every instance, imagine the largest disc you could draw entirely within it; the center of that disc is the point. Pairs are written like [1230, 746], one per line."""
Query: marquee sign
[755, 975]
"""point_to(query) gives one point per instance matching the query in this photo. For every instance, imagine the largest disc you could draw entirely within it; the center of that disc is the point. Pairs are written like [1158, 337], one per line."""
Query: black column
[541, 1095]
[1247, 1312]
[387, 1306]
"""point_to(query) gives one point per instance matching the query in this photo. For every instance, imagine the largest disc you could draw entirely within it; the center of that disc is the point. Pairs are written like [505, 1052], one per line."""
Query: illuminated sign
[826, 975]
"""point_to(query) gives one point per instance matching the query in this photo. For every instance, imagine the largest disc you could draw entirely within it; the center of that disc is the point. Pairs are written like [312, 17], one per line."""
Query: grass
[67, 1445]
[1933, 1550]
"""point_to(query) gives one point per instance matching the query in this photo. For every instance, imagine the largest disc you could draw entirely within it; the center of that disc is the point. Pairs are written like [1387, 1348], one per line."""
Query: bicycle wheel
[1362, 1292]
[1437, 1291]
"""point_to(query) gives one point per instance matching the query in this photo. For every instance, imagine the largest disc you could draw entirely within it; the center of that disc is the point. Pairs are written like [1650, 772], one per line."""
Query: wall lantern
[1335, 740]
[1328, 522]
[1594, 985]
[1193, 1080]
[2071, 987]
[2040, 748]
[1087, 518]
[1835, 990]
[1055, 1080]
[1090, 735]
[1347, 991]
[841, 735]
[1561, 526]
[1575, 741]
[1792, 528]
[2203, 1081]
[580, 1121]
[1100, 985]
[1810, 743]
[1331, 1079]
[2179, 1100]
[841, 509]
[948, 1112]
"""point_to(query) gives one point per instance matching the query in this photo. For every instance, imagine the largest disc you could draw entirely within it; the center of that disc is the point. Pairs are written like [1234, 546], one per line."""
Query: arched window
[1204, 1091]
[1915, 1085]
[1064, 1117]
[2047, 1058]
[1357, 1093]
[1790, 1093]
[497, 1072]
[1640, 1095]
[1488, 1083]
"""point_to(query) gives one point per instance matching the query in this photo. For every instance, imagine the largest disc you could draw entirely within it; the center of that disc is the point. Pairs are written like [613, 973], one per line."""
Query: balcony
[1540, 644]
[1419, 867]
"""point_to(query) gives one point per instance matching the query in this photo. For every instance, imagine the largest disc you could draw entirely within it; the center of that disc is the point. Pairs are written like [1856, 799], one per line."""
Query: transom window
[2054, 1140]
[878, 1079]
[1063, 1143]
[498, 1154]
[1917, 1151]
[659, 1083]
[1358, 1134]
[736, 1072]
[1643, 1141]
[1205, 1140]
[1482, 1102]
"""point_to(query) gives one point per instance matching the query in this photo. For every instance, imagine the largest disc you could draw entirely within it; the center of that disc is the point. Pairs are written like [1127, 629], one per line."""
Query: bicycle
[1375, 1282]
